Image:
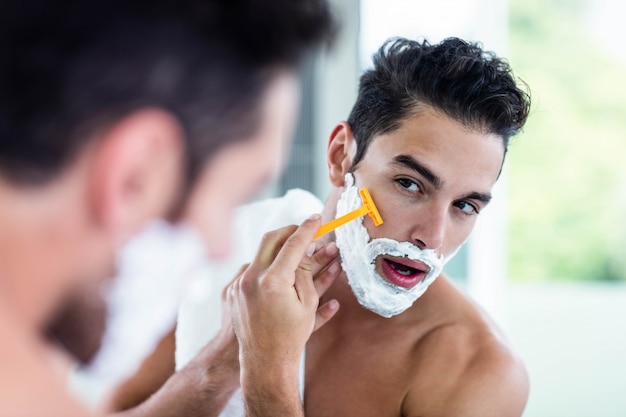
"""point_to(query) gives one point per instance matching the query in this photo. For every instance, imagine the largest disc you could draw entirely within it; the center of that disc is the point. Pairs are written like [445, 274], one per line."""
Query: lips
[402, 272]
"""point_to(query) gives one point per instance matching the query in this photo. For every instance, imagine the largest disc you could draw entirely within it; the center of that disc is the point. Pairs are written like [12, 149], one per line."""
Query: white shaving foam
[358, 256]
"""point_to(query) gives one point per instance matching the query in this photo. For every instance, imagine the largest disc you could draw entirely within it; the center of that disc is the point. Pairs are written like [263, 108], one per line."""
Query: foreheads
[457, 78]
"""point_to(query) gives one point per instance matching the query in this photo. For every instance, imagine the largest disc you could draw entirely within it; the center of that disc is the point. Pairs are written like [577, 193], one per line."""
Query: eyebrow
[407, 161]
[482, 197]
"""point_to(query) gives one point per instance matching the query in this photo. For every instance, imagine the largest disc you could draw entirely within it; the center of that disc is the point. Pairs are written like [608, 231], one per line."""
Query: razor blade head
[372, 211]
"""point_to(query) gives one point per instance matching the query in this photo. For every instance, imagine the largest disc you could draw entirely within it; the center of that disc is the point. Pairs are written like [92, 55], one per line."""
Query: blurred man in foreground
[114, 113]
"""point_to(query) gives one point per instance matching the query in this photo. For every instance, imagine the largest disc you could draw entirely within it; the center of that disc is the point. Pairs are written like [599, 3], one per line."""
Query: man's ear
[138, 171]
[341, 151]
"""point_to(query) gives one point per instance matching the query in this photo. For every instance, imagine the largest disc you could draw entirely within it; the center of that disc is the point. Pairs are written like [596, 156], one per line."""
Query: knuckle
[305, 266]
[267, 238]
[295, 241]
[227, 290]
[278, 234]
[267, 283]
[246, 284]
[230, 286]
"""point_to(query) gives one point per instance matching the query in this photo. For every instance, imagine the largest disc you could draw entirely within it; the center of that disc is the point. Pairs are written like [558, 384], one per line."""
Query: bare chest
[363, 376]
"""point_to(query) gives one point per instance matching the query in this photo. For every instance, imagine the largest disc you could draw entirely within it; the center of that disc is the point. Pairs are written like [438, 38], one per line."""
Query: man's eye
[408, 184]
[466, 207]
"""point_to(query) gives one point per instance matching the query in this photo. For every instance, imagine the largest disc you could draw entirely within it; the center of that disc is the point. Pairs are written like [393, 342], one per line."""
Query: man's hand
[202, 388]
[275, 308]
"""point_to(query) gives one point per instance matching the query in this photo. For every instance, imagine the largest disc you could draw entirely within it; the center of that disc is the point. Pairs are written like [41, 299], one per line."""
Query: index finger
[290, 256]
[270, 245]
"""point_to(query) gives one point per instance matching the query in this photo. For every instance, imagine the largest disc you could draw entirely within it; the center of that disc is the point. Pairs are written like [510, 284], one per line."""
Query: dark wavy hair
[460, 79]
[70, 68]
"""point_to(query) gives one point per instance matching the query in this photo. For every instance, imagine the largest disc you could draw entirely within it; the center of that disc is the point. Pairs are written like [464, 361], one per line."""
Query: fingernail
[331, 249]
[315, 216]
[333, 268]
[333, 304]
[310, 250]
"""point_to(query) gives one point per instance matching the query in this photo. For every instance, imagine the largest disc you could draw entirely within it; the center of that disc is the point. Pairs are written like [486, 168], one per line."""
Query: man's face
[241, 170]
[429, 180]
[233, 176]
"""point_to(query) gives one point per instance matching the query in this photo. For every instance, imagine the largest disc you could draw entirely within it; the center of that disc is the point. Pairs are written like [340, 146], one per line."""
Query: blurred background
[547, 258]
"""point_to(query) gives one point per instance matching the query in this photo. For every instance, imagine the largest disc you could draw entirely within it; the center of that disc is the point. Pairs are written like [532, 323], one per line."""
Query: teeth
[402, 269]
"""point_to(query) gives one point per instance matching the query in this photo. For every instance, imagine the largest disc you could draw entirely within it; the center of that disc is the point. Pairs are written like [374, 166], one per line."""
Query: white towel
[199, 316]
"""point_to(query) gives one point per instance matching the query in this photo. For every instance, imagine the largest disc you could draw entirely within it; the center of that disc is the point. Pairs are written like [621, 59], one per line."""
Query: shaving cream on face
[358, 256]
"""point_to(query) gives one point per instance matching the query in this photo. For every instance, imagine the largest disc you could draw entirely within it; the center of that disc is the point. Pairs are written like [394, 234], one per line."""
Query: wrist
[269, 379]
[216, 367]
[271, 390]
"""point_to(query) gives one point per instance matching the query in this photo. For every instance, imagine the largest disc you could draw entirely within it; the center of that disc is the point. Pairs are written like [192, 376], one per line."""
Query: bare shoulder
[467, 368]
[29, 385]
[493, 382]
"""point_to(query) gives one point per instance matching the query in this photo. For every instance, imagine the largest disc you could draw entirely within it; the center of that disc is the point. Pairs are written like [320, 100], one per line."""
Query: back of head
[72, 68]
[457, 78]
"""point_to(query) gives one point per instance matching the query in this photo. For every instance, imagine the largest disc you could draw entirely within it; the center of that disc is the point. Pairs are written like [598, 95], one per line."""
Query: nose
[429, 229]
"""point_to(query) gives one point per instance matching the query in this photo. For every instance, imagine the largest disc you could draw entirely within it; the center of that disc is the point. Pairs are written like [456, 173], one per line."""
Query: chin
[78, 326]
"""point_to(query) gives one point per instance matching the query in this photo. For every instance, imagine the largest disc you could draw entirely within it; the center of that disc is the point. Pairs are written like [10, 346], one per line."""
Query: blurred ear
[138, 171]
[341, 151]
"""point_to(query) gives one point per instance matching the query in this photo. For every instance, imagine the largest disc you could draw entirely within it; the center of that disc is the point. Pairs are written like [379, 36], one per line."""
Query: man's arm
[274, 305]
[279, 317]
[202, 388]
[155, 370]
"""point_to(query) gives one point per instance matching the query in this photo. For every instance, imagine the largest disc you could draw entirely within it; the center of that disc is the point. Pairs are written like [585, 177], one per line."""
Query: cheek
[394, 212]
[213, 212]
[394, 225]
[247, 183]
[387, 208]
[206, 211]
[457, 235]
[213, 219]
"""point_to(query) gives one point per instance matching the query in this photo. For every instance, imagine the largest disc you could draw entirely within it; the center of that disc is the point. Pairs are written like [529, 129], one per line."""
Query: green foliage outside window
[566, 172]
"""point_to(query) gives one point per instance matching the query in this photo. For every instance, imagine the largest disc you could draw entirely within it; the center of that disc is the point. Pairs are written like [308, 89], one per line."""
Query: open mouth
[405, 273]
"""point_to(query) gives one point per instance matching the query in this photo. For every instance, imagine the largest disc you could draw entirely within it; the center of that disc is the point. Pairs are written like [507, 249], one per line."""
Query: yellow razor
[368, 208]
